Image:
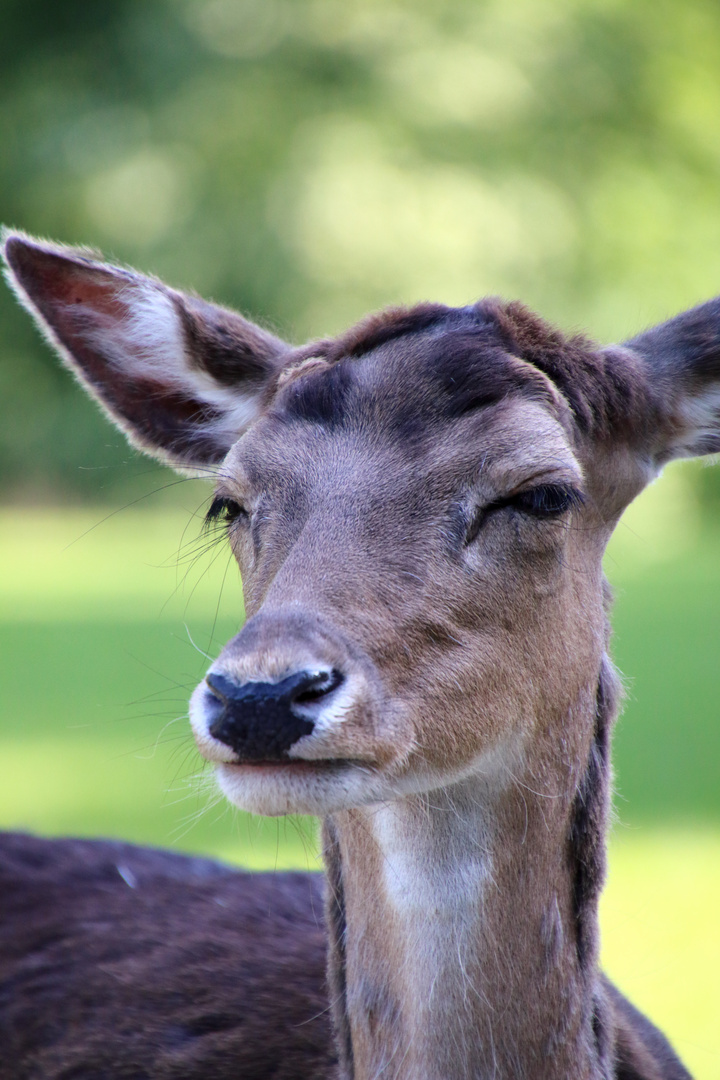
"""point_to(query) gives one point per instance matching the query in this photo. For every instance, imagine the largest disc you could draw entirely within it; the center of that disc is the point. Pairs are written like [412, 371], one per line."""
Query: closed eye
[546, 501]
[225, 512]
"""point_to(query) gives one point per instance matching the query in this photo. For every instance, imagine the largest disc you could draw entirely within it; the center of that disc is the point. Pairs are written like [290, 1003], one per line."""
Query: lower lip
[300, 766]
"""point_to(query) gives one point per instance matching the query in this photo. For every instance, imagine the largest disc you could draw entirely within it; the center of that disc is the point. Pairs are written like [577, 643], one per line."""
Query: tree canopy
[308, 160]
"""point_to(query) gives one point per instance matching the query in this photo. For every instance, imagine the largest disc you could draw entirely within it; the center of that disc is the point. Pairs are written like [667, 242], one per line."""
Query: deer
[419, 509]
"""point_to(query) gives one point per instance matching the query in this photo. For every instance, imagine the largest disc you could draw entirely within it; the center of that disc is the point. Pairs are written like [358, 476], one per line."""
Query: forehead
[445, 397]
[409, 384]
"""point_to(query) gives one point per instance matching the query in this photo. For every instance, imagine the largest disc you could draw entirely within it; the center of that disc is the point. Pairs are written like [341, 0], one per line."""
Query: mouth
[290, 765]
[297, 786]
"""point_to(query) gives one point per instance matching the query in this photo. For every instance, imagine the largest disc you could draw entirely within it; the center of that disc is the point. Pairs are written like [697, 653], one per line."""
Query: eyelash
[545, 501]
[225, 512]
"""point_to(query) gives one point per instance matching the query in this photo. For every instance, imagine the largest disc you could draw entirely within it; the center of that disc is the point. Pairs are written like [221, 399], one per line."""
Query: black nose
[260, 721]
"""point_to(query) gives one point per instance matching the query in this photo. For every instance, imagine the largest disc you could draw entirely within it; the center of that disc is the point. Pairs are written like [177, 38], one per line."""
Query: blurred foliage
[306, 160]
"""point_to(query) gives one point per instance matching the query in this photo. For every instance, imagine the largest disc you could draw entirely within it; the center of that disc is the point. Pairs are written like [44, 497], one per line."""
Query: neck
[463, 925]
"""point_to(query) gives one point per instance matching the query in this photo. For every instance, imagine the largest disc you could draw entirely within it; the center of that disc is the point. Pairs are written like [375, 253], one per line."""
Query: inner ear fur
[183, 378]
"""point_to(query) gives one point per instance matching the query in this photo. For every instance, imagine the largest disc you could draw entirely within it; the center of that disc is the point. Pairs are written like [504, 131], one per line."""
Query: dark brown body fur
[194, 971]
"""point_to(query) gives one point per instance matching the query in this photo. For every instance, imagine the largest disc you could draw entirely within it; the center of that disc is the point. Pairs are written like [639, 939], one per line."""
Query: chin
[300, 787]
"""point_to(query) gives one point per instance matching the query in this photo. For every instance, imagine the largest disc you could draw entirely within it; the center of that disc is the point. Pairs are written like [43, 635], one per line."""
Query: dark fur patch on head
[605, 391]
[319, 395]
[471, 371]
[601, 387]
[377, 329]
[456, 365]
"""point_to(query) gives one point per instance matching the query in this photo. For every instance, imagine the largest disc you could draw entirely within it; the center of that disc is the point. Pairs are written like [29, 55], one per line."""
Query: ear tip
[12, 245]
[18, 246]
[30, 261]
[18, 249]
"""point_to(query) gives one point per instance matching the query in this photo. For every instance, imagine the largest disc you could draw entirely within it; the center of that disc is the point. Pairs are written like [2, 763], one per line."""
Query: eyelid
[569, 490]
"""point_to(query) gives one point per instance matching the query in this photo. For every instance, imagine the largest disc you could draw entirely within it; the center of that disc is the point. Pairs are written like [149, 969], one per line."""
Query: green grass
[103, 636]
[661, 944]
[95, 741]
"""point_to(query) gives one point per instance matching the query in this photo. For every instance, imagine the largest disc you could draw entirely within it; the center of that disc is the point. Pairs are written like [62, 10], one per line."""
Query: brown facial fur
[495, 698]
[360, 480]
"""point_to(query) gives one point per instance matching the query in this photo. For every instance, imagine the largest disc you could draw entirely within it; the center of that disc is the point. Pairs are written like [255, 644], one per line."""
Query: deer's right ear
[682, 361]
[181, 377]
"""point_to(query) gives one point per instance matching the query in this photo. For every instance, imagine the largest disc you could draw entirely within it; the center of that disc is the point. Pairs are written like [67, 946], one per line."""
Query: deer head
[419, 510]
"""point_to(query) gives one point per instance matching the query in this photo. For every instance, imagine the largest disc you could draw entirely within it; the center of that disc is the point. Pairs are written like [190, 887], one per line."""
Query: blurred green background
[305, 161]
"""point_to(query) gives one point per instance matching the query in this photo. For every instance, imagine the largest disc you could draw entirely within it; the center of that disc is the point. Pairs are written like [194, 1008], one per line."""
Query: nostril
[221, 688]
[316, 685]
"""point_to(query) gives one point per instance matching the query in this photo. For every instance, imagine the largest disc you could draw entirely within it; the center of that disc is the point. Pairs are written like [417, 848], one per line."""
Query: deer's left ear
[181, 377]
[682, 360]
